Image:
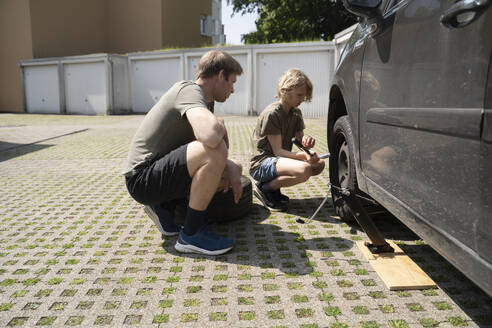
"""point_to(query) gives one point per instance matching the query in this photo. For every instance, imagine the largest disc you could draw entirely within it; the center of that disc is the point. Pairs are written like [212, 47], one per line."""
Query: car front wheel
[342, 165]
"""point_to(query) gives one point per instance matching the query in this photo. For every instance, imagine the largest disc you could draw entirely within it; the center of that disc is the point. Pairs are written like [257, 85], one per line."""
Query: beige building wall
[133, 25]
[186, 15]
[14, 16]
[66, 28]
[57, 28]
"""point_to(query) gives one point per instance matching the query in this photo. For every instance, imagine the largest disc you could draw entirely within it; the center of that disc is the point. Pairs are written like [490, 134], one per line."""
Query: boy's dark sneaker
[281, 197]
[269, 199]
[203, 241]
[162, 219]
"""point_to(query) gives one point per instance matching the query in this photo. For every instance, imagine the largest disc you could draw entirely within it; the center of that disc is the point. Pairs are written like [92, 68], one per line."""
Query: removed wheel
[222, 207]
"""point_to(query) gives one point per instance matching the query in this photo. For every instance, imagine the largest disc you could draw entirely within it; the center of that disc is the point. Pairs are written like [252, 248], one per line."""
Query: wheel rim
[343, 165]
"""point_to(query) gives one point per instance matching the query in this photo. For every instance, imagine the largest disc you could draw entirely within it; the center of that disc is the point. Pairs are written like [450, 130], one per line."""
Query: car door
[422, 91]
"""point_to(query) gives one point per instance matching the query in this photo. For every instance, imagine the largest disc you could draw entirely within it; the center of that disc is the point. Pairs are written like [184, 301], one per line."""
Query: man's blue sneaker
[162, 219]
[203, 242]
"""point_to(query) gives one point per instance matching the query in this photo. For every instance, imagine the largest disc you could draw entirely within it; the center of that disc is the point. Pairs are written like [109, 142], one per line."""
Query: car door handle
[451, 17]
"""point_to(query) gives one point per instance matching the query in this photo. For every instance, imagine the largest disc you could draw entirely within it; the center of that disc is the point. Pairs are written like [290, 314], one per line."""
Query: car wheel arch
[336, 110]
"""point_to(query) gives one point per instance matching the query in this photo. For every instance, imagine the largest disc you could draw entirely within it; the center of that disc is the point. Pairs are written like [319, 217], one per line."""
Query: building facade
[55, 28]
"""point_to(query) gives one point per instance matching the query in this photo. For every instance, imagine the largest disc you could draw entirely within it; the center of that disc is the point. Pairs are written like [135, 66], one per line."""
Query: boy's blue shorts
[267, 170]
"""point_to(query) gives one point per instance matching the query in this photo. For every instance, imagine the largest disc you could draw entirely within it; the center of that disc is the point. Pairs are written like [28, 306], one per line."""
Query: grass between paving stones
[360, 310]
[442, 306]
[369, 324]
[332, 311]
[6, 306]
[218, 316]
[161, 318]
[17, 321]
[428, 322]
[398, 323]
[276, 314]
[387, 308]
[339, 325]
[304, 312]
[46, 321]
[86, 240]
[457, 321]
[247, 315]
[74, 321]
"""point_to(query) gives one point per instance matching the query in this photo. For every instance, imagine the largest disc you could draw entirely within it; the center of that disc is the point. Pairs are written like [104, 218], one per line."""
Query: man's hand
[308, 141]
[232, 179]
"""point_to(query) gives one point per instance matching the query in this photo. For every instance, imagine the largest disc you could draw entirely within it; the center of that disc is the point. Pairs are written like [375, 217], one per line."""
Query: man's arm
[226, 136]
[206, 127]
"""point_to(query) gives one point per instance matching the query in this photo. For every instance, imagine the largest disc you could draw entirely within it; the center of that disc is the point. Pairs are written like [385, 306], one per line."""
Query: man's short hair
[214, 61]
[292, 79]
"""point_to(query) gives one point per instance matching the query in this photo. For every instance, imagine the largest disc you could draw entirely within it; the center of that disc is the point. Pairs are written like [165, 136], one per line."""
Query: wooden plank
[397, 270]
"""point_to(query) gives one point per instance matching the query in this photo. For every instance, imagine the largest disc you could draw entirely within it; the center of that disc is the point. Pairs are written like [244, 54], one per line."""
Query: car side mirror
[365, 8]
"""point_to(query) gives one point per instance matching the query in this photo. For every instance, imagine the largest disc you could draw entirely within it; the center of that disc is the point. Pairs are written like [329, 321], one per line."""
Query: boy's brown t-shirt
[274, 120]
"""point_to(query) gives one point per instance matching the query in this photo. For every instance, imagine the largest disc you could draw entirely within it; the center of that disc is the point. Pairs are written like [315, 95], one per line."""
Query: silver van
[410, 122]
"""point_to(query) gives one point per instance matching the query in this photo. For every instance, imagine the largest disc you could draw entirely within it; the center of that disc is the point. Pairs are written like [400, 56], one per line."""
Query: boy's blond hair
[292, 79]
[214, 61]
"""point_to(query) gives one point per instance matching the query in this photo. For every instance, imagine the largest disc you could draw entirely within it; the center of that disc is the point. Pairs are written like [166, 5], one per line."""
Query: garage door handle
[451, 18]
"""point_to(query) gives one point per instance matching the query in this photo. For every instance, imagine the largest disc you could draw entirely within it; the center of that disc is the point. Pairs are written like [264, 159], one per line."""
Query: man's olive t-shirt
[165, 126]
[274, 120]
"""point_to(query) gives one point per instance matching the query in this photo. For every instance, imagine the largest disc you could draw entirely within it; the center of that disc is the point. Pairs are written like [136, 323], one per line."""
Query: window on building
[203, 25]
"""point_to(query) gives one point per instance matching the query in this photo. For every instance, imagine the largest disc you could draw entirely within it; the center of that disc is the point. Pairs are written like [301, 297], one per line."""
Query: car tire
[222, 207]
[342, 166]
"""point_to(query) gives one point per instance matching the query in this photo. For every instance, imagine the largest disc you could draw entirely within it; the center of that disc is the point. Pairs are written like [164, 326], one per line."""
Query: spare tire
[222, 207]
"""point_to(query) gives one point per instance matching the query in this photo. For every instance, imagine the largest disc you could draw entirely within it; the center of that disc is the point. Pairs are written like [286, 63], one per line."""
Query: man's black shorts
[162, 180]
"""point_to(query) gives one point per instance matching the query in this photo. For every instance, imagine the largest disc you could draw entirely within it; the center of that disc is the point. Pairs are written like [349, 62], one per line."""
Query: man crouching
[180, 150]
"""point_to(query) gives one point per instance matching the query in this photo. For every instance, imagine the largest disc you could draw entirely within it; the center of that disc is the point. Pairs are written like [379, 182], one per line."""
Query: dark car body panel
[347, 82]
[417, 94]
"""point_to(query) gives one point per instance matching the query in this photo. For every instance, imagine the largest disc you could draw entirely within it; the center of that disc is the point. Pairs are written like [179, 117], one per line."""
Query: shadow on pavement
[468, 296]
[11, 150]
[267, 245]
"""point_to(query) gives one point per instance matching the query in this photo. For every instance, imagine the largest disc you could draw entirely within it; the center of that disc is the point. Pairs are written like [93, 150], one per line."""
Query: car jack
[377, 244]
[393, 266]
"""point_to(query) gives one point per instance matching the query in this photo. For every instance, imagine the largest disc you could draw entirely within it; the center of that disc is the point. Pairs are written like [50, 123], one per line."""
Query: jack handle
[378, 244]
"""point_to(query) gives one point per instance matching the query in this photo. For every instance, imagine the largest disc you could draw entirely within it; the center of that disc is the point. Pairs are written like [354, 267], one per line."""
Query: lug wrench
[301, 221]
[299, 145]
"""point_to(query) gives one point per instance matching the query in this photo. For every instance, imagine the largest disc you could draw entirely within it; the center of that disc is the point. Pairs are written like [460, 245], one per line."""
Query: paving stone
[77, 250]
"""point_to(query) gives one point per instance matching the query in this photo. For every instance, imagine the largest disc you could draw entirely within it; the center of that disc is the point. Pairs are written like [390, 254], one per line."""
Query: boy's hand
[308, 141]
[310, 159]
[314, 158]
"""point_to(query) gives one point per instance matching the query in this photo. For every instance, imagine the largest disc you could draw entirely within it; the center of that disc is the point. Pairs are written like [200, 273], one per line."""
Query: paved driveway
[75, 249]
